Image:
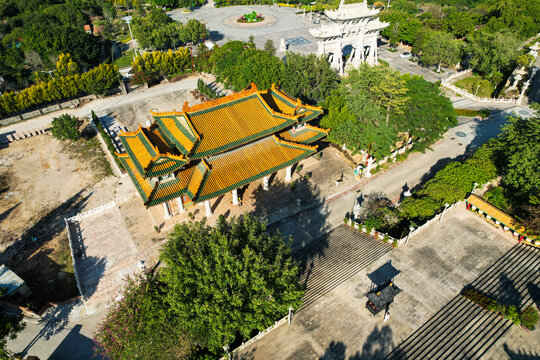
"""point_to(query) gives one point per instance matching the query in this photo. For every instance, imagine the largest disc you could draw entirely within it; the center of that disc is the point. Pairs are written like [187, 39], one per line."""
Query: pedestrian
[386, 316]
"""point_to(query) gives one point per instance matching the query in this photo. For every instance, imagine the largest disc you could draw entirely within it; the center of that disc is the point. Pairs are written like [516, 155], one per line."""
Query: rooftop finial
[186, 107]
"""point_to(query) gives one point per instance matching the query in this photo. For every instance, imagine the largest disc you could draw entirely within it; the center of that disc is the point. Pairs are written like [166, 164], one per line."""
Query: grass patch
[88, 150]
[476, 85]
[472, 113]
[124, 60]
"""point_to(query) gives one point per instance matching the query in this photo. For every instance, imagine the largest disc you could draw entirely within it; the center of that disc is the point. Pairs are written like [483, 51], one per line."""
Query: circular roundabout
[235, 21]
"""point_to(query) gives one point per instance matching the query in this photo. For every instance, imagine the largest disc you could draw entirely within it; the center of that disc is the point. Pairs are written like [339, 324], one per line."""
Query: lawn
[476, 85]
[125, 60]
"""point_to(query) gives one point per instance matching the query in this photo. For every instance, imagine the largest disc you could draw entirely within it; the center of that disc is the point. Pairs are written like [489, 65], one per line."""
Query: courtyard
[433, 268]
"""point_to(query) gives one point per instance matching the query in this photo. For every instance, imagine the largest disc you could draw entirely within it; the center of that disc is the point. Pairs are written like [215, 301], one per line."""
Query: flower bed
[250, 18]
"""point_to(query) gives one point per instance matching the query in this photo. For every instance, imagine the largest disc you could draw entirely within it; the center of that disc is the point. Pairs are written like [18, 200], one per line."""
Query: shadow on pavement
[75, 346]
[378, 343]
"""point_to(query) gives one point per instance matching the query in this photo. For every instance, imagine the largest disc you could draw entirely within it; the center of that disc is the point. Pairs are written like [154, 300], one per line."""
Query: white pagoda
[356, 25]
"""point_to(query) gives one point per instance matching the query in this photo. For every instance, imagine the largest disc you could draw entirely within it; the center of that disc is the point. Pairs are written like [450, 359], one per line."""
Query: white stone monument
[282, 46]
[352, 24]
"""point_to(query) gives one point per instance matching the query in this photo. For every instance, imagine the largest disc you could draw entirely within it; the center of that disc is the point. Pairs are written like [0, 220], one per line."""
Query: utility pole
[128, 20]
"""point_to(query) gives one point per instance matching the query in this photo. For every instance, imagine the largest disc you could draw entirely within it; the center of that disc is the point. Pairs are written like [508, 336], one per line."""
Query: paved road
[103, 106]
[419, 166]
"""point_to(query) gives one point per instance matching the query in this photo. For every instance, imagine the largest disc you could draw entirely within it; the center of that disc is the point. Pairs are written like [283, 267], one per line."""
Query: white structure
[354, 25]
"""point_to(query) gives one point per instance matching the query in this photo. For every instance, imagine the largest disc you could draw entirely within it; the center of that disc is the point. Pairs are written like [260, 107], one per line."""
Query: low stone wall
[398, 242]
[258, 336]
[61, 105]
[75, 271]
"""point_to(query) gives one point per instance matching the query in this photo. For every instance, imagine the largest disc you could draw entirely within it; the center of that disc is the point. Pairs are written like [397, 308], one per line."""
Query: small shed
[13, 286]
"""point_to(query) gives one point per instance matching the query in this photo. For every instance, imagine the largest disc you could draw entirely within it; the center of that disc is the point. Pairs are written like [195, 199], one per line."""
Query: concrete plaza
[434, 267]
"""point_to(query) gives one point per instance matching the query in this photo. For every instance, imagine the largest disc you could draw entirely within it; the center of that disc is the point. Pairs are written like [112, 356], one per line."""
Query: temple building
[189, 157]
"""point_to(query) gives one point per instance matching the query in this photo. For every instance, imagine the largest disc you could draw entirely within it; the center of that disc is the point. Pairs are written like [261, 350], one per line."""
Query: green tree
[65, 127]
[427, 114]
[384, 87]
[493, 52]
[10, 326]
[440, 49]
[519, 154]
[65, 66]
[309, 77]
[269, 47]
[459, 23]
[140, 325]
[227, 281]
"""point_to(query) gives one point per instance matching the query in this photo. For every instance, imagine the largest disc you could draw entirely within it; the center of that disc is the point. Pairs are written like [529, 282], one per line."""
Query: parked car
[405, 55]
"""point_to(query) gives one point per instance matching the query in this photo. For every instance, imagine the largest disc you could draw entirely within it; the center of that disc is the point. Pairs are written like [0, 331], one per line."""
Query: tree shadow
[508, 294]
[75, 343]
[6, 213]
[34, 264]
[378, 343]
[521, 354]
[55, 320]
[216, 36]
[534, 293]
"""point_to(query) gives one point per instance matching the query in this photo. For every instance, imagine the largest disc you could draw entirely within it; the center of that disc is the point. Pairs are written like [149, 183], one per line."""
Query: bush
[529, 318]
[386, 238]
[307, 176]
[292, 185]
[299, 168]
[66, 127]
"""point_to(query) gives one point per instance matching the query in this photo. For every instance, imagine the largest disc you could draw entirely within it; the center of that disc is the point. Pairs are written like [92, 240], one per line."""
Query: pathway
[463, 330]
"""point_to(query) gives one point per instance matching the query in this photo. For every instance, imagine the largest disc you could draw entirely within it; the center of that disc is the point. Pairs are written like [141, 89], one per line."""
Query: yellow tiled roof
[495, 213]
[141, 183]
[240, 166]
[236, 122]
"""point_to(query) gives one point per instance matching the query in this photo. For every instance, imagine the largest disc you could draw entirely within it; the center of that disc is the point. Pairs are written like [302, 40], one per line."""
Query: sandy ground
[42, 181]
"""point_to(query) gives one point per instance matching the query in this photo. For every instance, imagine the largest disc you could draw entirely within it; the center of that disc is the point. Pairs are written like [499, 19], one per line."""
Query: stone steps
[462, 329]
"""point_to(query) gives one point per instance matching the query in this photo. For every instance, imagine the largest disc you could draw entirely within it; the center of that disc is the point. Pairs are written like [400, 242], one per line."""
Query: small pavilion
[206, 150]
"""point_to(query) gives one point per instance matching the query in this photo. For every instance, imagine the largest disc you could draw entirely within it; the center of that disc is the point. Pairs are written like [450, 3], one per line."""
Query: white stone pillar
[208, 208]
[167, 211]
[235, 197]
[265, 183]
[288, 173]
[180, 204]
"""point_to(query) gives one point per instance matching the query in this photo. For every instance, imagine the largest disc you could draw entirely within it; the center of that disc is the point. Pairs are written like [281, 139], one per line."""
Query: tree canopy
[227, 281]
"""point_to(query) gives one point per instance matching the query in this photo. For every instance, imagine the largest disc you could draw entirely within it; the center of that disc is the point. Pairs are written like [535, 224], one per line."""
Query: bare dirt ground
[43, 180]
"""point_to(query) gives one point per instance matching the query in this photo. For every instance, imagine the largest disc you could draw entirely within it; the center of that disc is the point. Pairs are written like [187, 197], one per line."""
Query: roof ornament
[186, 107]
[253, 86]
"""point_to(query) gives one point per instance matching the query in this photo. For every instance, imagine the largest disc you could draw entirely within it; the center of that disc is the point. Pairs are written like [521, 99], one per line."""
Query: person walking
[386, 316]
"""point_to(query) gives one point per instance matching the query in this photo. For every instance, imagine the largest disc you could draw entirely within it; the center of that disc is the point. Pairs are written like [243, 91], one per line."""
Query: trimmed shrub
[66, 127]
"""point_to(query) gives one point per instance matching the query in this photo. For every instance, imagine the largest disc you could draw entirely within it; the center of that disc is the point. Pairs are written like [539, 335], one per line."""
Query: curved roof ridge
[296, 101]
[295, 144]
[274, 112]
[206, 105]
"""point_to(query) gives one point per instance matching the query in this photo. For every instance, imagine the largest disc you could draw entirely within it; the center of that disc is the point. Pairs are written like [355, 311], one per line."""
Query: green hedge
[96, 81]
[528, 317]
[107, 139]
[467, 112]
